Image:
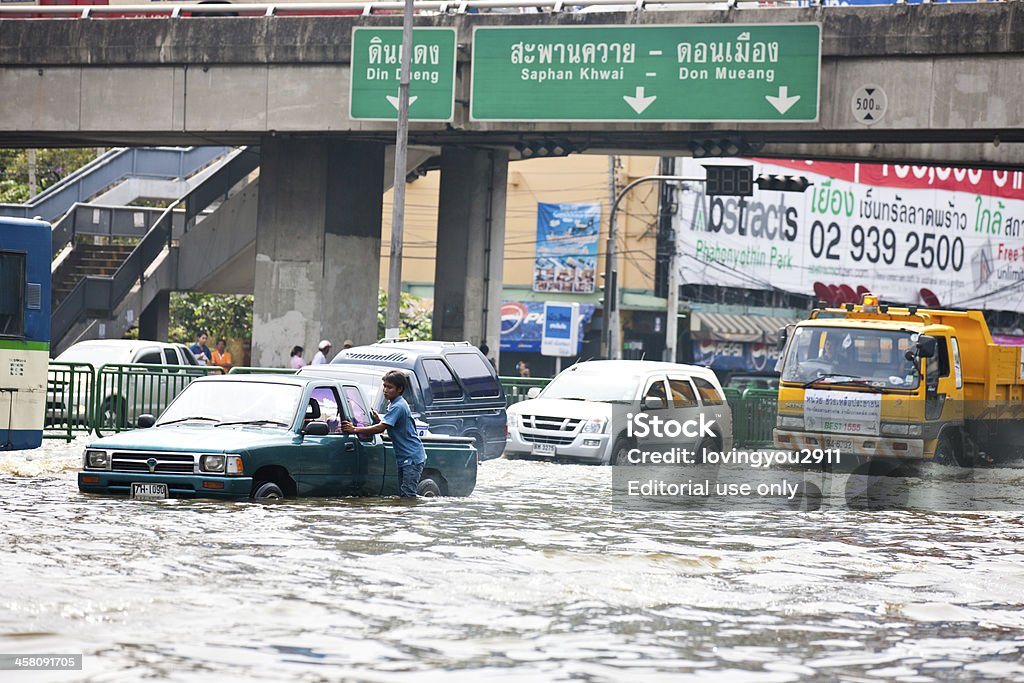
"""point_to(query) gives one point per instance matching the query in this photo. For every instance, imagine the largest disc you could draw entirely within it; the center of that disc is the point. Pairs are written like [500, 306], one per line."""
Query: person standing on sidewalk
[401, 427]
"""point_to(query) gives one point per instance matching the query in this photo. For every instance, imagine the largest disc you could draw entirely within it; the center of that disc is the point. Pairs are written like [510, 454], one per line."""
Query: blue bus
[24, 330]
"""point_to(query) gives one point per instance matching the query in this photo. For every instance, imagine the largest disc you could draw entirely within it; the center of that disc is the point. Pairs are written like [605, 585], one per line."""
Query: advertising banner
[910, 234]
[722, 355]
[561, 330]
[522, 325]
[566, 258]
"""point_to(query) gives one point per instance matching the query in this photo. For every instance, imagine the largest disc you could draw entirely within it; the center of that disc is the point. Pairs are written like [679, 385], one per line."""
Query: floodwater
[534, 578]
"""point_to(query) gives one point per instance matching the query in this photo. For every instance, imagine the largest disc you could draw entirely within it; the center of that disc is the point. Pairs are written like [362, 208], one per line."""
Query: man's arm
[370, 430]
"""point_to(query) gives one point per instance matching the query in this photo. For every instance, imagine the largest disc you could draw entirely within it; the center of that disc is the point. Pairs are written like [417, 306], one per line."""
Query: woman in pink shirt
[297, 361]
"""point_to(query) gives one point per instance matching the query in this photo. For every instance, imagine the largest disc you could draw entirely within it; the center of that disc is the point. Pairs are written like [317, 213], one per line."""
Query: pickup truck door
[367, 453]
[328, 465]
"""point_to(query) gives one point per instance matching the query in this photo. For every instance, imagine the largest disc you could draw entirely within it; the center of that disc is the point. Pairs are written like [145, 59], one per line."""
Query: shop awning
[735, 327]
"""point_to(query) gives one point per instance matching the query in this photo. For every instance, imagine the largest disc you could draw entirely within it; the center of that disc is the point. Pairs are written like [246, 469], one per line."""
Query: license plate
[543, 449]
[149, 491]
[838, 444]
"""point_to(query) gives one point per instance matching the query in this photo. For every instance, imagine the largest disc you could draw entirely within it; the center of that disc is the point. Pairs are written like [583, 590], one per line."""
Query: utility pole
[392, 321]
[672, 319]
[33, 180]
[610, 313]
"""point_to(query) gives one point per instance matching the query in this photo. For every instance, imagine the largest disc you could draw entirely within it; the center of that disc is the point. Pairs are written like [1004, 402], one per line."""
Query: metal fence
[81, 399]
[517, 387]
[753, 416]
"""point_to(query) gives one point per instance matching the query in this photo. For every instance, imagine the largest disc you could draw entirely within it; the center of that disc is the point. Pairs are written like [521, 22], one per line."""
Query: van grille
[169, 463]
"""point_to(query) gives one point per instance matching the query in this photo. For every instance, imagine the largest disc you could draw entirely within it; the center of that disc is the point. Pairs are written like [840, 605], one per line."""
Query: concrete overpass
[952, 75]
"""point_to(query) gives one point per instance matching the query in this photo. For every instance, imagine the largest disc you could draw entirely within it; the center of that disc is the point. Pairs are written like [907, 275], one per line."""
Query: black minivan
[452, 387]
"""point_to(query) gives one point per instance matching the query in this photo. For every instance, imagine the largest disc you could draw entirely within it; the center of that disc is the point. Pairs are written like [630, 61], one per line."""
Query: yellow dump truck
[876, 381]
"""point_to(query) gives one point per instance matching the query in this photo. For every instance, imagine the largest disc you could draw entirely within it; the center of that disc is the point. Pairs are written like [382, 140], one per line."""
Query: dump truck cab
[876, 381]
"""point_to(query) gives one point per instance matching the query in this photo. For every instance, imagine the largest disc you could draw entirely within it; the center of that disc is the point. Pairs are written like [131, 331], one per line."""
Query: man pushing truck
[881, 382]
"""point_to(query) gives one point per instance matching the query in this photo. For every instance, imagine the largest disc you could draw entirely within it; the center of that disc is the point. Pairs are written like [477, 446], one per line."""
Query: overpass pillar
[318, 223]
[155, 319]
[468, 272]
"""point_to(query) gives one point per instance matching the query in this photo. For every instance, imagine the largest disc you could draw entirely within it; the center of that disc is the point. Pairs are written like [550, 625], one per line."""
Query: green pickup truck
[264, 437]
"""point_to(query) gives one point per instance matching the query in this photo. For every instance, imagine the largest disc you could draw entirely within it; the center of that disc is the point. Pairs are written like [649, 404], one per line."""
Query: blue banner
[567, 236]
[722, 355]
[522, 325]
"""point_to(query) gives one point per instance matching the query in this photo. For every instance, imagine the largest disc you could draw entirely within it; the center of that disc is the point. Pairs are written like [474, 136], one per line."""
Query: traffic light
[731, 181]
[783, 183]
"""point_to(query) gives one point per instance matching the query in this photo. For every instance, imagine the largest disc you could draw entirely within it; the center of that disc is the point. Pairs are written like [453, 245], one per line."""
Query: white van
[582, 414]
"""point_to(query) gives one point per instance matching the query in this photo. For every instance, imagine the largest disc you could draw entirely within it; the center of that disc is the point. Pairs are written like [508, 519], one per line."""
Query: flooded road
[534, 578]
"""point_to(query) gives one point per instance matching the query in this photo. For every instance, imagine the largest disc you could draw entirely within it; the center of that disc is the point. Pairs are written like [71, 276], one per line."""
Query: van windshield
[592, 387]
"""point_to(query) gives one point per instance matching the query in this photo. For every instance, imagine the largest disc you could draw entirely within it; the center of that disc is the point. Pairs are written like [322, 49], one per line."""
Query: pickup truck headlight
[212, 463]
[595, 425]
[97, 460]
[513, 420]
[901, 429]
[792, 421]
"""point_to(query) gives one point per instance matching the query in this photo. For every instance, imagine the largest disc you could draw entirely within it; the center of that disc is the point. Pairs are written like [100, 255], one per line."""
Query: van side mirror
[533, 392]
[145, 421]
[926, 346]
[316, 428]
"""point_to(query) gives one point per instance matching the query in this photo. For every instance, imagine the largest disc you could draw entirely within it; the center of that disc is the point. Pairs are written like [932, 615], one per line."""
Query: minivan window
[475, 374]
[442, 383]
[708, 394]
[682, 393]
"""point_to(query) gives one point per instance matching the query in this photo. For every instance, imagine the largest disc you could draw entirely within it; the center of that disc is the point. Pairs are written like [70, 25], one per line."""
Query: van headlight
[595, 425]
[792, 421]
[97, 460]
[212, 463]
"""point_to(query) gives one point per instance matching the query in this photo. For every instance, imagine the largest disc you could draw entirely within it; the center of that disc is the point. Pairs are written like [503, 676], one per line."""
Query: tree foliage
[52, 165]
[415, 316]
[220, 315]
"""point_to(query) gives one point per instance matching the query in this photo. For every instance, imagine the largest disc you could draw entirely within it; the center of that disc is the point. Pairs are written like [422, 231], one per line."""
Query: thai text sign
[853, 412]
[894, 230]
[566, 258]
[724, 72]
[376, 61]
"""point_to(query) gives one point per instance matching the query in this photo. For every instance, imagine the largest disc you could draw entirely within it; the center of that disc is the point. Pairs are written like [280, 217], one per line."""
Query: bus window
[12, 294]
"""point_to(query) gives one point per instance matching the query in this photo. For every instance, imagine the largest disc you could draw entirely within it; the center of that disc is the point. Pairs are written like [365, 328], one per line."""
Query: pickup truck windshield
[216, 402]
[849, 356]
[597, 387]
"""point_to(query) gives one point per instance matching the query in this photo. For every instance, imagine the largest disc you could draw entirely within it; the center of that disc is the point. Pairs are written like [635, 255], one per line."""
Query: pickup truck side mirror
[653, 403]
[533, 392]
[145, 421]
[316, 428]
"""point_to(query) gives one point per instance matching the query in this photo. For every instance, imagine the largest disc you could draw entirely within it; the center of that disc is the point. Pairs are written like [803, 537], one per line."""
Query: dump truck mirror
[926, 346]
[782, 335]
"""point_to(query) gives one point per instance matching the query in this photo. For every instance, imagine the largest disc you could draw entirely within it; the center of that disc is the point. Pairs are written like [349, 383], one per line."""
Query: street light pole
[392, 319]
[610, 346]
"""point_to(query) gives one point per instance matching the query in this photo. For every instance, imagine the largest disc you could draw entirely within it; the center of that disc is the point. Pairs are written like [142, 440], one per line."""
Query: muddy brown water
[536, 577]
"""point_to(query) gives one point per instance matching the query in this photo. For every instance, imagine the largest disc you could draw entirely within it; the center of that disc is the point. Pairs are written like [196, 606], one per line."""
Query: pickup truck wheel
[945, 453]
[428, 488]
[267, 490]
[620, 452]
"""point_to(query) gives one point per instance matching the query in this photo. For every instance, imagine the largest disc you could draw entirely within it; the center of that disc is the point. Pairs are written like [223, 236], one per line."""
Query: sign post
[723, 72]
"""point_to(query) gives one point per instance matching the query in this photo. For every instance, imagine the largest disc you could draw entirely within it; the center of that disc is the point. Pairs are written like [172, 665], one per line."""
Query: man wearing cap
[321, 356]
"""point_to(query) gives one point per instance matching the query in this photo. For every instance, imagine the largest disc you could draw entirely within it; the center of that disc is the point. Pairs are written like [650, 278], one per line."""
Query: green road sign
[710, 72]
[376, 60]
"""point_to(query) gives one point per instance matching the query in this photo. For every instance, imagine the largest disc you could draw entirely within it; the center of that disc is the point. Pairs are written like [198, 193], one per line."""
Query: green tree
[415, 317]
[221, 315]
[52, 165]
